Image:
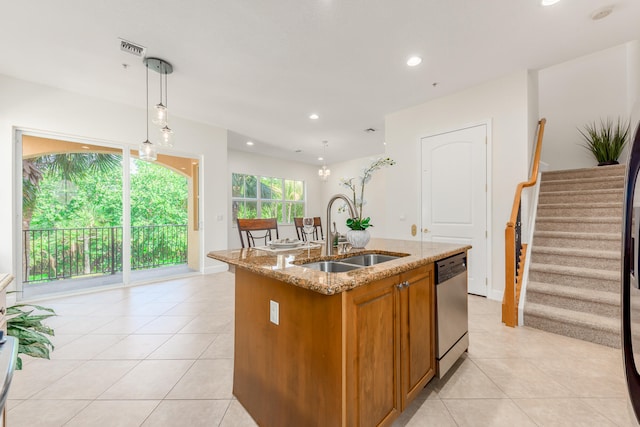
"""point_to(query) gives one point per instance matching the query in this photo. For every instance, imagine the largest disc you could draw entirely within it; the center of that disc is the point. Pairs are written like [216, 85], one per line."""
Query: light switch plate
[274, 312]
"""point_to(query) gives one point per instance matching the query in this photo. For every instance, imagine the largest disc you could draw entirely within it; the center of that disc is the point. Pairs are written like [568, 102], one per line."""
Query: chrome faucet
[352, 212]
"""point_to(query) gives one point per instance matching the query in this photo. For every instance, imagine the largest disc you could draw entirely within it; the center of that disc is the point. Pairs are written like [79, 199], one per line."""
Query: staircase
[574, 274]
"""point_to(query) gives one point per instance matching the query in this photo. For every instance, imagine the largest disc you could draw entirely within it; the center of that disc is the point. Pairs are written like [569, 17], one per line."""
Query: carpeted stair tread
[584, 195]
[601, 323]
[576, 252]
[582, 205]
[579, 235]
[593, 220]
[611, 298]
[602, 224]
[576, 271]
[616, 170]
[596, 191]
[601, 330]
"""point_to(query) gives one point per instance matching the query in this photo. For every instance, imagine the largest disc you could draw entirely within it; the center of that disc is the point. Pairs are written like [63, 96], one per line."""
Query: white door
[454, 196]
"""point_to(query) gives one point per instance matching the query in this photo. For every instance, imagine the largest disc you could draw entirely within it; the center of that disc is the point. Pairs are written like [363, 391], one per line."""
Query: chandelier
[148, 149]
[324, 171]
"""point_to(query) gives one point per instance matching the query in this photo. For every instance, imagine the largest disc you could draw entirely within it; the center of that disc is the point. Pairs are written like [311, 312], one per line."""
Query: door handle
[425, 230]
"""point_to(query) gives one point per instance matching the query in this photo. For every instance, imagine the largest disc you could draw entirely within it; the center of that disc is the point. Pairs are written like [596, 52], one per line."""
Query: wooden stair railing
[515, 251]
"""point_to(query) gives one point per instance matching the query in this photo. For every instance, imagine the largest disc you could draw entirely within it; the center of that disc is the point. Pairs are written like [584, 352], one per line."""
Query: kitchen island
[333, 349]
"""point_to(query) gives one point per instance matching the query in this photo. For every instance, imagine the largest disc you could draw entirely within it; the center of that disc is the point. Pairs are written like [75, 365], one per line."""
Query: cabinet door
[417, 331]
[373, 353]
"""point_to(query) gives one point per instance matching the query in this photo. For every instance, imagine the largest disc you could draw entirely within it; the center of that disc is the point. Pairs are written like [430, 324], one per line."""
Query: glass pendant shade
[167, 136]
[160, 116]
[147, 151]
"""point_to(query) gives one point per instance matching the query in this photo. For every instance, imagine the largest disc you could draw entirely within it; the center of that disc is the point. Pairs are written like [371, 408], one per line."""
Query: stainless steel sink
[368, 259]
[331, 266]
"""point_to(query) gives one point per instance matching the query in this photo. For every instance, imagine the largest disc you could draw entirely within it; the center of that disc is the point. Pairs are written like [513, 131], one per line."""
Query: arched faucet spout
[352, 212]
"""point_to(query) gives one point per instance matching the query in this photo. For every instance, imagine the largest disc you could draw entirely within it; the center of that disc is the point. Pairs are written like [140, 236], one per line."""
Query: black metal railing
[518, 239]
[64, 253]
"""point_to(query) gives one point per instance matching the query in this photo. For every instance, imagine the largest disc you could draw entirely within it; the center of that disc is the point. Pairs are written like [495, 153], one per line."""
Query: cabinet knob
[403, 285]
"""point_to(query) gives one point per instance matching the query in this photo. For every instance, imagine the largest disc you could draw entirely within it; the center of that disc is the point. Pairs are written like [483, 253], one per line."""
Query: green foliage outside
[80, 215]
[158, 196]
[267, 197]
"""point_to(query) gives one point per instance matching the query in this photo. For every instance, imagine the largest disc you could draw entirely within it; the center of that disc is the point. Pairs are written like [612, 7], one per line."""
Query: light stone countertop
[284, 266]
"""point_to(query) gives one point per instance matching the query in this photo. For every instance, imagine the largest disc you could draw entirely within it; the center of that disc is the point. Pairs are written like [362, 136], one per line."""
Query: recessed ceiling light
[413, 61]
[314, 116]
[601, 13]
[549, 2]
[320, 158]
[249, 143]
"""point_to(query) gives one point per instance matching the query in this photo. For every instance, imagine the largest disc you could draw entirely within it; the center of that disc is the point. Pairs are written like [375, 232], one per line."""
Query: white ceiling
[260, 67]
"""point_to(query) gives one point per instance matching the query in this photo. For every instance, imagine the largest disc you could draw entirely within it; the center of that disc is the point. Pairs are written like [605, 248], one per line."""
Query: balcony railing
[64, 253]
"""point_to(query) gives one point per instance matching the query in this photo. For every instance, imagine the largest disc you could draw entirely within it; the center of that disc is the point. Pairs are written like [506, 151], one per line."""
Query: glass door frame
[125, 151]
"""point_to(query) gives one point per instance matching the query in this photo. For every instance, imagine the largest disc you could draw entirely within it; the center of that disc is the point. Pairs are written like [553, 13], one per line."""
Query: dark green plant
[359, 223]
[606, 141]
[31, 333]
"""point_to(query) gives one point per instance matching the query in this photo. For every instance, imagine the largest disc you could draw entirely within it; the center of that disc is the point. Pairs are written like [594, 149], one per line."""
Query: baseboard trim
[212, 269]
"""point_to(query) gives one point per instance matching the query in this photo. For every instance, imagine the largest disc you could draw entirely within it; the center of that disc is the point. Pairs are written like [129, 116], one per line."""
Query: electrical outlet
[274, 312]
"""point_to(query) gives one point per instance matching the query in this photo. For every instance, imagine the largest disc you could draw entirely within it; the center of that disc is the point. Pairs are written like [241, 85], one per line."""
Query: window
[266, 197]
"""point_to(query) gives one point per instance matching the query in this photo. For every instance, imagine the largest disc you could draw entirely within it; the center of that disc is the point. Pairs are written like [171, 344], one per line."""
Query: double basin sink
[352, 263]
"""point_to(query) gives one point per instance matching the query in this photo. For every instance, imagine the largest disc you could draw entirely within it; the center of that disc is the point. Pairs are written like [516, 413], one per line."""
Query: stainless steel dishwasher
[451, 311]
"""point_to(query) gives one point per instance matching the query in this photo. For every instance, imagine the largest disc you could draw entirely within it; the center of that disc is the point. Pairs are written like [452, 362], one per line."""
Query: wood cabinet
[390, 346]
[373, 354]
[352, 359]
[417, 331]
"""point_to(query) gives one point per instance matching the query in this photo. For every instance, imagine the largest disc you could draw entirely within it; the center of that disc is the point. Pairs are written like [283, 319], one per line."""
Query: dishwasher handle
[450, 267]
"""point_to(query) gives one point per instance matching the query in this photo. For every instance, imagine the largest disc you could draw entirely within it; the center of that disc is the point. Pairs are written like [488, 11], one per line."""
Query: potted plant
[31, 333]
[606, 141]
[358, 235]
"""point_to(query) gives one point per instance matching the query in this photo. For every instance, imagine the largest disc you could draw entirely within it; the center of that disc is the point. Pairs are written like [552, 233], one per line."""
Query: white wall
[375, 194]
[504, 103]
[29, 106]
[254, 164]
[581, 91]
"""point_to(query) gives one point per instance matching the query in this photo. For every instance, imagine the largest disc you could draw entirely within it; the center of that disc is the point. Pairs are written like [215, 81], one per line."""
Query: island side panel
[287, 374]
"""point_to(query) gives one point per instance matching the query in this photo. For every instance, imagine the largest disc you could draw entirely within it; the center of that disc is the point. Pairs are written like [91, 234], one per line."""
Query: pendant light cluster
[324, 172]
[148, 149]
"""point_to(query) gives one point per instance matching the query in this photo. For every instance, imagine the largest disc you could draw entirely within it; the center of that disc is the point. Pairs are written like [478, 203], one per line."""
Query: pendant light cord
[166, 93]
[147, 104]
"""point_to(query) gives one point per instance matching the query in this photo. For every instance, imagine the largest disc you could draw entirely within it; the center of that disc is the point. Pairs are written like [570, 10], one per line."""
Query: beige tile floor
[162, 355]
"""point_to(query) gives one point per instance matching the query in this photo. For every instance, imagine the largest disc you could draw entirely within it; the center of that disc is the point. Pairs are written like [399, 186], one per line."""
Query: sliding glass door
[93, 215]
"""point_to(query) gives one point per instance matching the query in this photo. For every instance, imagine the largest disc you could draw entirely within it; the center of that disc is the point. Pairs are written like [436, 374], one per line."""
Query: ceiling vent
[132, 48]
